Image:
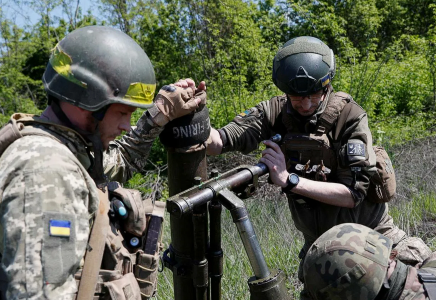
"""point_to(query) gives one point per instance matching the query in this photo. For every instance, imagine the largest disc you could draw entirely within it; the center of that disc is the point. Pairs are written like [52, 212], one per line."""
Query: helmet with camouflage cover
[95, 66]
[349, 261]
[303, 66]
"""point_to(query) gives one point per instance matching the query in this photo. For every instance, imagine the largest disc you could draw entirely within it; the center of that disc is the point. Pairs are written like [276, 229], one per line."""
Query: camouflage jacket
[405, 282]
[44, 182]
[311, 217]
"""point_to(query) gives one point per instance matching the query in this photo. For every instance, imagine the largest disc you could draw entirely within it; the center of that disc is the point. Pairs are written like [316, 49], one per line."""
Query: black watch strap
[288, 189]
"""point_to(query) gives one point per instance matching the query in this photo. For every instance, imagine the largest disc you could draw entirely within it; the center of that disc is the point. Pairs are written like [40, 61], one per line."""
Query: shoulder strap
[335, 105]
[16, 128]
[8, 134]
[287, 119]
[94, 252]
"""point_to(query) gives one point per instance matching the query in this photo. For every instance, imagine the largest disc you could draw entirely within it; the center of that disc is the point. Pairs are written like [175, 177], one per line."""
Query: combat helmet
[349, 261]
[303, 66]
[95, 66]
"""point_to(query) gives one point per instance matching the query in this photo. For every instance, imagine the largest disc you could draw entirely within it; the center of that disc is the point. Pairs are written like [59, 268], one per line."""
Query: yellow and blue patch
[325, 80]
[245, 113]
[60, 228]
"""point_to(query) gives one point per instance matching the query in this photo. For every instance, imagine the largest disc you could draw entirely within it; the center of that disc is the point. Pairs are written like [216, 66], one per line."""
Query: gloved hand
[136, 221]
[174, 101]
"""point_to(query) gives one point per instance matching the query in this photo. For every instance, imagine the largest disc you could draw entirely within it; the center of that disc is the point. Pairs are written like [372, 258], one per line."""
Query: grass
[279, 239]
[413, 210]
[417, 217]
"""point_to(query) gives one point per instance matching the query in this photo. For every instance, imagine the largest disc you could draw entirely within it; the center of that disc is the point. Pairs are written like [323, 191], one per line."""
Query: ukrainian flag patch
[60, 228]
[245, 113]
[325, 80]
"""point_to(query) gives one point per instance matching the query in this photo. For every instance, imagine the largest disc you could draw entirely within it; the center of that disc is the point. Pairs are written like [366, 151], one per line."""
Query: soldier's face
[307, 105]
[115, 121]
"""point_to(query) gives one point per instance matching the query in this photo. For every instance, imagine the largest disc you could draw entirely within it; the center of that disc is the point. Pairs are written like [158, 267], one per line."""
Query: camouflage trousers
[411, 250]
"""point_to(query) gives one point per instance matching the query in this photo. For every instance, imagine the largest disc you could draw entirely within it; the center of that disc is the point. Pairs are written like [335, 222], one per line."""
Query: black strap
[428, 280]
[153, 233]
[3, 283]
[187, 131]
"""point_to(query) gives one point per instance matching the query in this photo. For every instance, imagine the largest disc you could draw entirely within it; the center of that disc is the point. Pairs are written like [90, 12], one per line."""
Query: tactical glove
[136, 221]
[173, 102]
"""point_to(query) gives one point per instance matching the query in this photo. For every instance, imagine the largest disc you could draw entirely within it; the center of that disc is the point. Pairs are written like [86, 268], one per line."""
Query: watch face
[294, 179]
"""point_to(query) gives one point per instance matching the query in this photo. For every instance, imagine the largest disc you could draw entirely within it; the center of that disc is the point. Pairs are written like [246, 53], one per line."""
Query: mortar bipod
[264, 285]
[183, 206]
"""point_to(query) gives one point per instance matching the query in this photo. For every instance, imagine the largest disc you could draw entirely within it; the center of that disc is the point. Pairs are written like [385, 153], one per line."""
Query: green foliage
[421, 212]
[386, 62]
[23, 57]
[386, 59]
[401, 129]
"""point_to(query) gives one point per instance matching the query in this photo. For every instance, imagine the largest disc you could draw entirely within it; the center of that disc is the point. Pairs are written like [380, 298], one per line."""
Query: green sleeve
[254, 125]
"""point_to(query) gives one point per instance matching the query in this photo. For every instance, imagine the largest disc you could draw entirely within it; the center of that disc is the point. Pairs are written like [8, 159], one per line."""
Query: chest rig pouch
[130, 261]
[310, 156]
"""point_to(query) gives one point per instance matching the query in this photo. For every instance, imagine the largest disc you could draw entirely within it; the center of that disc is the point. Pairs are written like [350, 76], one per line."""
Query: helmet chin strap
[96, 170]
[323, 104]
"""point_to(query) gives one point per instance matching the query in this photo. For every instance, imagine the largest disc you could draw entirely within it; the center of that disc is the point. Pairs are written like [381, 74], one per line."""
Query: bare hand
[189, 83]
[274, 159]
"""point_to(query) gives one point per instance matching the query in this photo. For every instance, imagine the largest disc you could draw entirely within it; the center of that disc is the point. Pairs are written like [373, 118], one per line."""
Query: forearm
[251, 127]
[129, 154]
[326, 192]
[214, 143]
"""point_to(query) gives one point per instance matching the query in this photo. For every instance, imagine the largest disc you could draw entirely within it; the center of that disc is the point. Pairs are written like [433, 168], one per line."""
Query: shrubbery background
[385, 53]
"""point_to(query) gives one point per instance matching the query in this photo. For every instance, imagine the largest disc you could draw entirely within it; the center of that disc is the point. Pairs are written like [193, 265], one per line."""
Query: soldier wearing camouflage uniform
[336, 142]
[52, 165]
[351, 261]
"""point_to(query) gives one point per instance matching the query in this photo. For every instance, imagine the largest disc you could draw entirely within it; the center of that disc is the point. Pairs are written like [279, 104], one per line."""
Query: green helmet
[349, 261]
[303, 66]
[95, 66]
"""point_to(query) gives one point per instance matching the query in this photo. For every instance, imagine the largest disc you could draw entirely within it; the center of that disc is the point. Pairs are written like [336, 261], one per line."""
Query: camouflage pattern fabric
[349, 261]
[411, 250]
[41, 180]
[129, 154]
[44, 183]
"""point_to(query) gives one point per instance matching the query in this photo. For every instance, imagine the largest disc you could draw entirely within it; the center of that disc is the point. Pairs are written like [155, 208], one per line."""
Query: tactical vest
[314, 155]
[129, 265]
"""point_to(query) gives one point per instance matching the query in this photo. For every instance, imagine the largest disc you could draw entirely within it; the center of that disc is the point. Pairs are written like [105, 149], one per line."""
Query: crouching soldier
[351, 261]
[59, 241]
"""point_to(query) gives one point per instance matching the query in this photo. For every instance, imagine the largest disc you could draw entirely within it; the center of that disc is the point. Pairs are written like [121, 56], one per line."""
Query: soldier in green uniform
[351, 261]
[53, 165]
[327, 159]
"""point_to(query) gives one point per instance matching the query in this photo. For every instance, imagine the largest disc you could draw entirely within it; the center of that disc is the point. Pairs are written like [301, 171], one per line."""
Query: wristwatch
[293, 180]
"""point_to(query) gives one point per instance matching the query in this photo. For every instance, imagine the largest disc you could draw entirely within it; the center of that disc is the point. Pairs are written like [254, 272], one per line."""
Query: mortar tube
[184, 205]
[215, 250]
[183, 167]
[200, 263]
